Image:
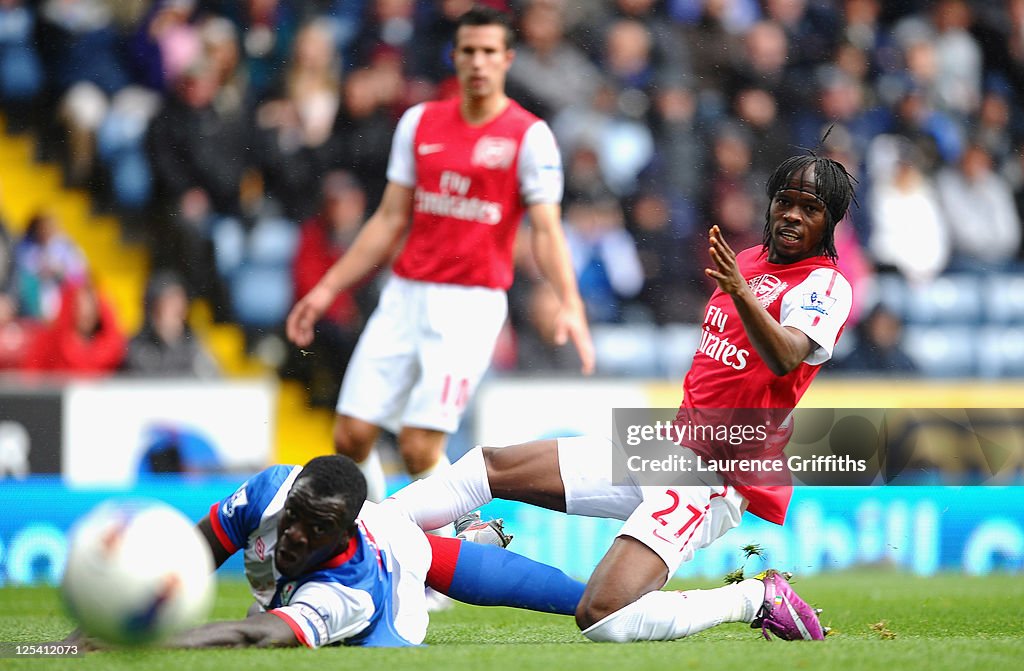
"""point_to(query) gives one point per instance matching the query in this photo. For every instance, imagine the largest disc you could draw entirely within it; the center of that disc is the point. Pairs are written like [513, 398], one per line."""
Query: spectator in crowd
[730, 191]
[435, 34]
[863, 29]
[324, 238]
[715, 44]
[388, 24]
[363, 133]
[266, 29]
[166, 42]
[21, 70]
[991, 127]
[297, 125]
[765, 61]
[45, 259]
[166, 346]
[1014, 174]
[734, 211]
[937, 135]
[999, 30]
[220, 42]
[879, 346]
[679, 144]
[84, 338]
[549, 72]
[647, 33]
[618, 137]
[17, 334]
[672, 284]
[756, 108]
[7, 260]
[200, 156]
[604, 256]
[974, 197]
[811, 28]
[585, 179]
[841, 102]
[84, 51]
[943, 56]
[909, 232]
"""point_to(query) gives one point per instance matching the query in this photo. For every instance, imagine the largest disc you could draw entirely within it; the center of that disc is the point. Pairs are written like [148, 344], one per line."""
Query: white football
[137, 572]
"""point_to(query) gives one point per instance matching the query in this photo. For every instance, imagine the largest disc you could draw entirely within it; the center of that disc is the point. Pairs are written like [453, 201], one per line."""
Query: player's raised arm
[552, 254]
[781, 347]
[371, 249]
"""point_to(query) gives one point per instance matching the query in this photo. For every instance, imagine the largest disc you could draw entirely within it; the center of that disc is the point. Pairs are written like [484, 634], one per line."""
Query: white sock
[443, 464]
[666, 616]
[442, 498]
[373, 471]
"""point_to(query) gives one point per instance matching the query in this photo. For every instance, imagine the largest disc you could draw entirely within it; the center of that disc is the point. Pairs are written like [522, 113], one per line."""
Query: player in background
[321, 575]
[776, 315]
[461, 175]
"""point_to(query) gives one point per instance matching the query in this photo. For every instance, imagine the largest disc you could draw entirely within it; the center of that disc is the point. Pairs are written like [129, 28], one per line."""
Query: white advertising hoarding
[112, 427]
[517, 411]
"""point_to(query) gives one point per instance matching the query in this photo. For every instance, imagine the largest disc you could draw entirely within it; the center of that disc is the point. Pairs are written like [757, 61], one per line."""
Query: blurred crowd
[247, 140]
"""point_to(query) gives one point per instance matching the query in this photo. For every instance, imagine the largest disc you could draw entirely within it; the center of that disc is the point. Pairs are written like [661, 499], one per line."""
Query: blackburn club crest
[767, 288]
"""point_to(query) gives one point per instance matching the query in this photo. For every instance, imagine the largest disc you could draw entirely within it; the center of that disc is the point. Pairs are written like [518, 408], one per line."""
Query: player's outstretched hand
[571, 323]
[726, 271]
[304, 315]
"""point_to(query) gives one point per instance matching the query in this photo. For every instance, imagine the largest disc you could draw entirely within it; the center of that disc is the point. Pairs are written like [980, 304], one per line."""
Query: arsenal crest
[767, 288]
[494, 153]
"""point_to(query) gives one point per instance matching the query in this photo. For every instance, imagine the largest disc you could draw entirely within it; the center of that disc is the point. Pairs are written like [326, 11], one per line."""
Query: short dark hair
[482, 15]
[832, 184]
[336, 475]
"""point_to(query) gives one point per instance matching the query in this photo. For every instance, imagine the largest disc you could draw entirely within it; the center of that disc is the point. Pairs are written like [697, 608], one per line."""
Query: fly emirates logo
[453, 202]
[717, 347]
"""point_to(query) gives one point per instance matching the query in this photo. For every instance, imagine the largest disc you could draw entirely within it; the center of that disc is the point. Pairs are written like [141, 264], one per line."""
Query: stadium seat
[1003, 298]
[273, 241]
[626, 350]
[949, 299]
[676, 345]
[1001, 352]
[890, 290]
[942, 351]
[261, 294]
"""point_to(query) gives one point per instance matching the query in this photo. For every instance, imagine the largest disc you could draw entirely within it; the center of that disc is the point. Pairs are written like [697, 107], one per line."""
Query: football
[137, 572]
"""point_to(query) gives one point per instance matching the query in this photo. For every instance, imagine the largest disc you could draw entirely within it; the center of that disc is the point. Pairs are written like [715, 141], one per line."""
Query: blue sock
[486, 575]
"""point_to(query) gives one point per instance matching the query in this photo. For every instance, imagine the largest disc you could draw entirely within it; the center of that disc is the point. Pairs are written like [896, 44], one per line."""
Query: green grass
[944, 622]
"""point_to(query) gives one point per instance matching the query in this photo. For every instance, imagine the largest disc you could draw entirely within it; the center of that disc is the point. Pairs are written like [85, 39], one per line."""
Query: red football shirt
[471, 190]
[727, 373]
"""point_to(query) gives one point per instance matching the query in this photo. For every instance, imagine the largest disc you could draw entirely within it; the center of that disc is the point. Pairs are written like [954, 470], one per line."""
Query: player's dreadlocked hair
[482, 15]
[832, 184]
[336, 475]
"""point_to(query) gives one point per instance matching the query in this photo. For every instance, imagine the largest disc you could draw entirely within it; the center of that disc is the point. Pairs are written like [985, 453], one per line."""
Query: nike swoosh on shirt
[425, 149]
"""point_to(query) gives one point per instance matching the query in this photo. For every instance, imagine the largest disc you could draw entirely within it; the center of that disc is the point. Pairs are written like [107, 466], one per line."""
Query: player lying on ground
[322, 575]
[775, 316]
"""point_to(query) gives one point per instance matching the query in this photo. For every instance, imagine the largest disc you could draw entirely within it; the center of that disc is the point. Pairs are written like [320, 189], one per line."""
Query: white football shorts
[422, 354]
[674, 521]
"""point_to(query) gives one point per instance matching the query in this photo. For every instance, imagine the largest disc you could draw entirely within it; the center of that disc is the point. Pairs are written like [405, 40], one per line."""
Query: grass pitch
[881, 620]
